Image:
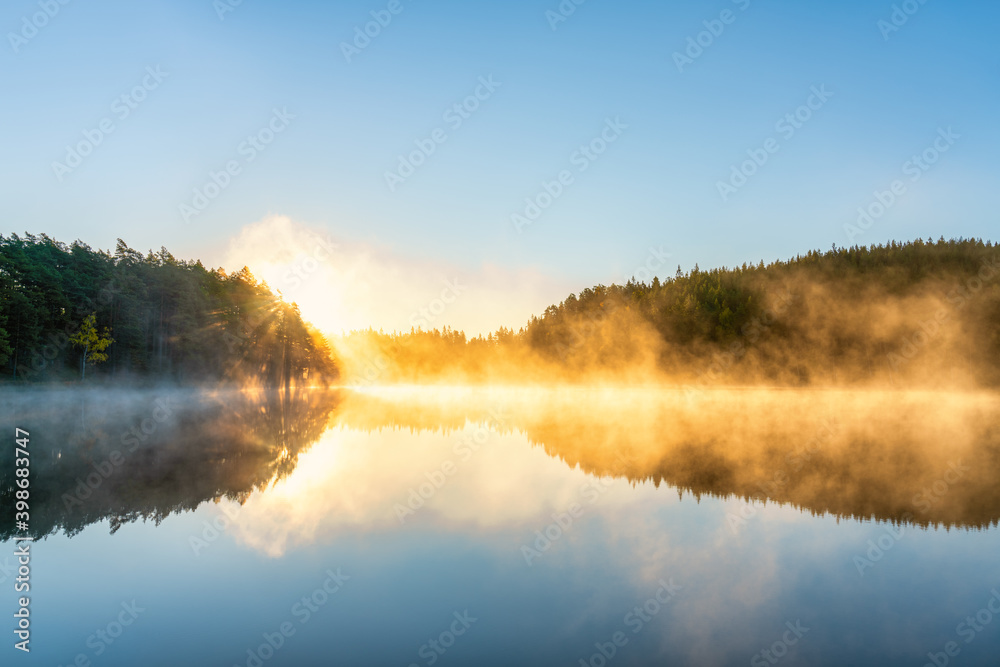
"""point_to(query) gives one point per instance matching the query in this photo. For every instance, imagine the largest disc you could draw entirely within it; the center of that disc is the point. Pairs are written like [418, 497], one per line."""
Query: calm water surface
[518, 527]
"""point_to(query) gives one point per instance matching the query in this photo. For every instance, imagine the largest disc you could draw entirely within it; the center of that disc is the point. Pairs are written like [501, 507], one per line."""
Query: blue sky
[656, 185]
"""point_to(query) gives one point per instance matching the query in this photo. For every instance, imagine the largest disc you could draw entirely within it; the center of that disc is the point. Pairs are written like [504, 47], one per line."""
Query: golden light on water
[501, 457]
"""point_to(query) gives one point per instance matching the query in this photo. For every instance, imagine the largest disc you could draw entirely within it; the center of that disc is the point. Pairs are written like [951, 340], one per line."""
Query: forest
[913, 314]
[69, 312]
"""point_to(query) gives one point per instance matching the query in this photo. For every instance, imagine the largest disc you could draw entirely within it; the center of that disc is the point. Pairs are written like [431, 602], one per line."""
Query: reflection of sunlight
[460, 458]
[351, 480]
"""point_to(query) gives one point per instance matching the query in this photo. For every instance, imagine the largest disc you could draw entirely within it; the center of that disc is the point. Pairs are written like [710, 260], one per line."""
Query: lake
[508, 526]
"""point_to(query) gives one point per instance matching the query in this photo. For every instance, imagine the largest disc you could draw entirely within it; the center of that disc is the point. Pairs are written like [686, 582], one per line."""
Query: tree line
[69, 312]
[917, 312]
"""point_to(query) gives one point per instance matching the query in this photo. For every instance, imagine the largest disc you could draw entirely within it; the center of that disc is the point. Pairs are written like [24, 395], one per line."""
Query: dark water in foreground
[519, 527]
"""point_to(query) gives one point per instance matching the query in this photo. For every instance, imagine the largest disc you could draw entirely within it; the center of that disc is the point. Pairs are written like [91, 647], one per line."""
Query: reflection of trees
[859, 456]
[854, 455]
[151, 454]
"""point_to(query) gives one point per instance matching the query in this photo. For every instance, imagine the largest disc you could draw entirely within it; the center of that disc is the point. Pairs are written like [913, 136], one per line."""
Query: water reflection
[915, 458]
[123, 456]
[548, 514]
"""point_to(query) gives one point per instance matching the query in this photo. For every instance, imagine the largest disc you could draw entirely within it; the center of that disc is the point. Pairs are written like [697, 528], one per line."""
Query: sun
[301, 265]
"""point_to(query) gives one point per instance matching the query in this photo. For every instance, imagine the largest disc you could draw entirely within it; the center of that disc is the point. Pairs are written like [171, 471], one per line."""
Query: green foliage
[857, 314]
[170, 318]
[92, 343]
[722, 307]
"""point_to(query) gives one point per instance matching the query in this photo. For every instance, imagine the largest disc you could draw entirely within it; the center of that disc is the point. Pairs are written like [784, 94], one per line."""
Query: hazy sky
[200, 78]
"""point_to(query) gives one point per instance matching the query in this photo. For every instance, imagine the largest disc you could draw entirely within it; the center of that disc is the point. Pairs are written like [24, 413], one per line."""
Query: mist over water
[921, 457]
[898, 317]
[548, 512]
[534, 334]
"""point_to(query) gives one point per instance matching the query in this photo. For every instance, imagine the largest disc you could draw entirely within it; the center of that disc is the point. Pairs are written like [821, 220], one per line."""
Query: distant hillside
[919, 313]
[166, 318]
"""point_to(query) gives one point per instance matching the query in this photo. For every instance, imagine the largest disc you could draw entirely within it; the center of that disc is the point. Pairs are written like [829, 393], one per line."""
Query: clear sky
[199, 78]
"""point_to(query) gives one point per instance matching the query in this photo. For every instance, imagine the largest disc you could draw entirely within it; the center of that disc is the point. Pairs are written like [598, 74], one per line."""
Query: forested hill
[904, 314]
[921, 313]
[143, 318]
